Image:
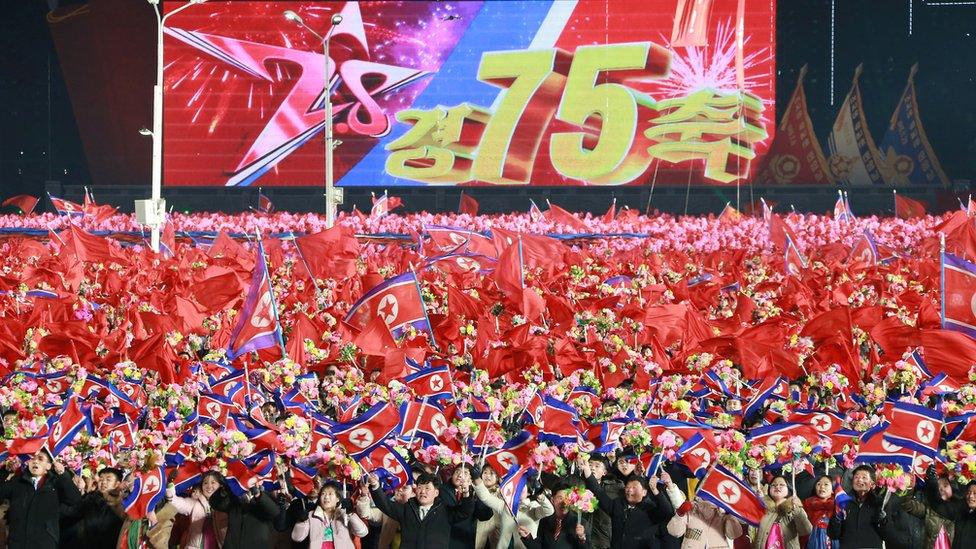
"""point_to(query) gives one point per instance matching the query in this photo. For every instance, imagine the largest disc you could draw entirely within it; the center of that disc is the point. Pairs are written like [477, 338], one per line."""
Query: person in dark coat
[249, 518]
[562, 530]
[635, 517]
[36, 498]
[463, 533]
[98, 517]
[426, 519]
[965, 523]
[865, 524]
[600, 521]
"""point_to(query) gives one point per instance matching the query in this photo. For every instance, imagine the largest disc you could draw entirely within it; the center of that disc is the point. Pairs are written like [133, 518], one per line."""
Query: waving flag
[66, 207]
[389, 465]
[66, 424]
[560, 422]
[258, 326]
[915, 427]
[363, 433]
[842, 211]
[397, 301]
[793, 261]
[697, 453]
[729, 493]
[825, 422]
[468, 205]
[907, 208]
[876, 448]
[424, 420]
[455, 240]
[265, 205]
[865, 250]
[513, 485]
[25, 202]
[431, 383]
[775, 388]
[148, 488]
[515, 451]
[535, 214]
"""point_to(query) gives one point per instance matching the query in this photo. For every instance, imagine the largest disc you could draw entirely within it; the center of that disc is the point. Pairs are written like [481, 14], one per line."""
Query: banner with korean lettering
[553, 92]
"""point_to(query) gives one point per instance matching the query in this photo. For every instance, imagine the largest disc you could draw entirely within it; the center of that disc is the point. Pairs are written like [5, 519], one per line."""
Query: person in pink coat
[205, 530]
[329, 526]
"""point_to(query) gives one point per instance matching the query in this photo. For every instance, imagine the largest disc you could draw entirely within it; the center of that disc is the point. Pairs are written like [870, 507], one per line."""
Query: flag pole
[894, 194]
[942, 277]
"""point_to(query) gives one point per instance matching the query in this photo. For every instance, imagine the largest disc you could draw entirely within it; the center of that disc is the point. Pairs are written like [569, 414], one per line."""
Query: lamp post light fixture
[333, 195]
[152, 212]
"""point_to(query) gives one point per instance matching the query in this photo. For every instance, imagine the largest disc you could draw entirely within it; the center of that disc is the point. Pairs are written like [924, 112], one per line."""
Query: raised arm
[392, 509]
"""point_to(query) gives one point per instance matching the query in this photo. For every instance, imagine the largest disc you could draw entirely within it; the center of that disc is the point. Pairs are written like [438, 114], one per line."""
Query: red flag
[331, 253]
[25, 202]
[561, 216]
[780, 233]
[468, 205]
[375, 339]
[949, 352]
[369, 429]
[88, 247]
[906, 208]
[729, 214]
[148, 488]
[611, 212]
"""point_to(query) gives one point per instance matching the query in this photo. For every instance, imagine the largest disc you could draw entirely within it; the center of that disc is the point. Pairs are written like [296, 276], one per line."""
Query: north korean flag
[424, 420]
[771, 388]
[560, 422]
[397, 301]
[148, 488]
[875, 448]
[66, 424]
[455, 240]
[302, 478]
[864, 250]
[534, 409]
[486, 425]
[232, 387]
[215, 408]
[363, 433]
[605, 436]
[515, 451]
[389, 465]
[698, 453]
[915, 427]
[961, 427]
[773, 434]
[118, 429]
[825, 422]
[257, 326]
[431, 383]
[265, 205]
[512, 486]
[793, 261]
[185, 477]
[66, 207]
[729, 493]
[958, 294]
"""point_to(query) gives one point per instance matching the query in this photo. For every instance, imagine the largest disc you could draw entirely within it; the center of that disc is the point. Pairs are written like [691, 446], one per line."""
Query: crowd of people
[542, 392]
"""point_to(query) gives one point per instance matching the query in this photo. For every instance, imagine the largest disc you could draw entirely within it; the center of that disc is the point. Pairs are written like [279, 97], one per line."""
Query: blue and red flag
[66, 207]
[148, 489]
[431, 383]
[875, 448]
[560, 422]
[515, 451]
[397, 301]
[697, 453]
[66, 424]
[918, 428]
[258, 326]
[729, 493]
[512, 486]
[389, 465]
[371, 428]
[958, 294]
[265, 205]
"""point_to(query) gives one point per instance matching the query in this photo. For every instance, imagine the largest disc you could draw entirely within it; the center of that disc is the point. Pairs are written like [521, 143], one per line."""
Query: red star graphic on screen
[302, 113]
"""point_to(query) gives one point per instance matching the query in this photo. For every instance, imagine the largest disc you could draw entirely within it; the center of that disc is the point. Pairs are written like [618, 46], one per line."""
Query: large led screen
[588, 92]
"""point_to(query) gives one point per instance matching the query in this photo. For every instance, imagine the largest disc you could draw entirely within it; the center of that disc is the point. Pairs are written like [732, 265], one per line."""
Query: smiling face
[945, 489]
[489, 477]
[209, 486]
[823, 488]
[635, 492]
[107, 482]
[862, 482]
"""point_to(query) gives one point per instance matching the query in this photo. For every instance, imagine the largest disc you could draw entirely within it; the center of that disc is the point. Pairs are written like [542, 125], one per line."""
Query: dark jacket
[96, 523]
[862, 526]
[600, 520]
[248, 520]
[633, 526]
[434, 531]
[965, 530]
[463, 532]
[33, 517]
[567, 534]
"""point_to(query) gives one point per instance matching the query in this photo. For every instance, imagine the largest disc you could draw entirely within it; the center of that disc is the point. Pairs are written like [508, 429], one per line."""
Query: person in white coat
[205, 530]
[329, 522]
[512, 529]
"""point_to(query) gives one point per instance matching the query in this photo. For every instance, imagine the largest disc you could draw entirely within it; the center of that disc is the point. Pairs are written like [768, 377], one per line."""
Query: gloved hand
[476, 471]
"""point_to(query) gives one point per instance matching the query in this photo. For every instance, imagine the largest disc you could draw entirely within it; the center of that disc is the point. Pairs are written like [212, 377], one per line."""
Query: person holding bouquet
[563, 529]
[636, 516]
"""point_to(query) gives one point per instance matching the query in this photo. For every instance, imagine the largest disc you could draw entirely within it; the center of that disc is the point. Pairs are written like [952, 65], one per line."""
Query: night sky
[39, 139]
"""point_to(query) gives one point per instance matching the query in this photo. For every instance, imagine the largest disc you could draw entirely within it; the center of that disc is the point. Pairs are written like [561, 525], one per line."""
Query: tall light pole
[333, 196]
[153, 212]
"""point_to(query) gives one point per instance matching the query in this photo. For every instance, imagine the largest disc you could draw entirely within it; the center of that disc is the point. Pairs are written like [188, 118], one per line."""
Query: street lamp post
[155, 213]
[333, 196]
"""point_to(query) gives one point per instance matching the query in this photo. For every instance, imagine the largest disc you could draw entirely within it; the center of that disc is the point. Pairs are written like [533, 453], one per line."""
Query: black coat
[464, 532]
[33, 517]
[434, 531]
[863, 526]
[633, 526]
[964, 534]
[95, 525]
[567, 534]
[248, 521]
